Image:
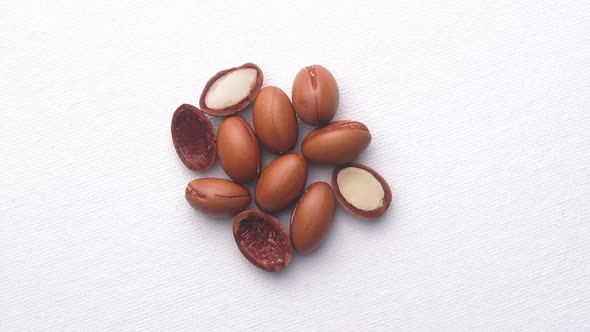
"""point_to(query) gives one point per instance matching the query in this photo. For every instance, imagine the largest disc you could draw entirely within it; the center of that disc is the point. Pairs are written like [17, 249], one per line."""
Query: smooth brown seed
[315, 95]
[281, 182]
[231, 90]
[361, 190]
[193, 137]
[339, 142]
[312, 217]
[262, 240]
[238, 150]
[215, 196]
[274, 120]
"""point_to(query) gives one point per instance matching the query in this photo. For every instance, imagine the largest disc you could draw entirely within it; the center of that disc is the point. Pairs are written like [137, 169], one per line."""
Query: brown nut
[274, 120]
[312, 217]
[262, 240]
[193, 137]
[231, 90]
[281, 182]
[238, 149]
[361, 190]
[216, 196]
[315, 95]
[339, 142]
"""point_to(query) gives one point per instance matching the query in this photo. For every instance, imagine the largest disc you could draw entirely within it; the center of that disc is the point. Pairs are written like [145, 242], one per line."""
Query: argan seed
[315, 95]
[219, 197]
[339, 142]
[312, 217]
[231, 90]
[361, 190]
[281, 182]
[275, 121]
[238, 149]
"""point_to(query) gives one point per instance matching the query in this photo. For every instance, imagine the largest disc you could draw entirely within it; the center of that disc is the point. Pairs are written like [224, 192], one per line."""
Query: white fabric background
[480, 115]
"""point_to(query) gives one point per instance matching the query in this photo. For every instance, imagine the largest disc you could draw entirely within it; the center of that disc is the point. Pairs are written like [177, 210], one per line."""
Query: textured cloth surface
[480, 115]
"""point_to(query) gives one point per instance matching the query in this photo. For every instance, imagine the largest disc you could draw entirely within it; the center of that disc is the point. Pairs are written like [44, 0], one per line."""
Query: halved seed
[360, 188]
[231, 88]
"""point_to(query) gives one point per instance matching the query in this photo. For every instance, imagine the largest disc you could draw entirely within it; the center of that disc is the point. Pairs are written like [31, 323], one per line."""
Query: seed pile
[260, 237]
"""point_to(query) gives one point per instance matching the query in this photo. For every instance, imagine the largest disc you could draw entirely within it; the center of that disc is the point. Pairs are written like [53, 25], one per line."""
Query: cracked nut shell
[262, 240]
[193, 137]
[315, 95]
[219, 197]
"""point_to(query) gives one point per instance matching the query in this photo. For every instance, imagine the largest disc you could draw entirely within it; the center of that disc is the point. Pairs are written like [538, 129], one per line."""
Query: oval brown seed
[339, 142]
[274, 120]
[216, 196]
[312, 217]
[361, 190]
[262, 240]
[281, 182]
[238, 149]
[231, 90]
[315, 95]
[193, 137]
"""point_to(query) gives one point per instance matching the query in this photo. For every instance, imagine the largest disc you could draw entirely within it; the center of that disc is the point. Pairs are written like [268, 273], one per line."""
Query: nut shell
[232, 109]
[262, 240]
[339, 142]
[219, 197]
[238, 149]
[312, 217]
[315, 95]
[281, 182]
[372, 214]
[274, 120]
[193, 137]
